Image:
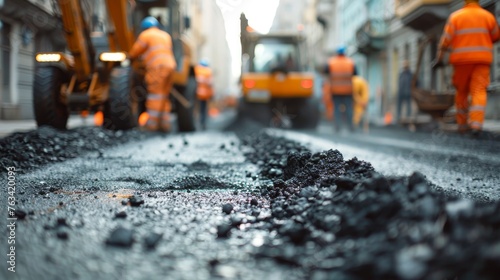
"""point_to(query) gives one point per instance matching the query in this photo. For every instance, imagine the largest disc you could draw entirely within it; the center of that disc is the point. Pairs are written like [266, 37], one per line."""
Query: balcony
[422, 15]
[370, 37]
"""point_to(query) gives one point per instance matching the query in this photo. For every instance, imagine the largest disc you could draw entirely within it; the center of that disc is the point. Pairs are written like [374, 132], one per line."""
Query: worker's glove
[437, 64]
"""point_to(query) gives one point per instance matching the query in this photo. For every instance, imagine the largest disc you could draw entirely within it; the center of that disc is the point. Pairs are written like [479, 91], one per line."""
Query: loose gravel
[330, 217]
[340, 219]
[29, 150]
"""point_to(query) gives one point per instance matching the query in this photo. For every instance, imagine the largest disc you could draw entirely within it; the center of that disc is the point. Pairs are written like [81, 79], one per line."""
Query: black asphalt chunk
[227, 208]
[29, 150]
[254, 202]
[20, 214]
[61, 222]
[121, 237]
[121, 215]
[223, 230]
[62, 234]
[152, 239]
[136, 201]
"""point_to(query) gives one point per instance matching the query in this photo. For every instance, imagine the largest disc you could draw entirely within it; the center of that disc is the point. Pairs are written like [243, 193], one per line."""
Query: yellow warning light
[113, 56]
[48, 57]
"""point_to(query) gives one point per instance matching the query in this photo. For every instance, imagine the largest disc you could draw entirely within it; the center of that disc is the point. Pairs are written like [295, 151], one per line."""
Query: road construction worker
[469, 34]
[341, 69]
[361, 95]
[155, 46]
[404, 90]
[204, 90]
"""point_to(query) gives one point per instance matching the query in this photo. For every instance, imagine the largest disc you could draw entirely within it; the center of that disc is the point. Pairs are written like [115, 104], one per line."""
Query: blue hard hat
[204, 62]
[149, 22]
[341, 50]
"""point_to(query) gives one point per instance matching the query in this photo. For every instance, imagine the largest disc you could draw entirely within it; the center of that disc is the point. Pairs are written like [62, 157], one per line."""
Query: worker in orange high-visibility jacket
[469, 35]
[340, 70]
[361, 95]
[204, 90]
[155, 47]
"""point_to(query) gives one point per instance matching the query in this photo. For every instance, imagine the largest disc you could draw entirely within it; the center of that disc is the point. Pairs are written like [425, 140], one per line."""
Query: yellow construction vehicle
[277, 89]
[96, 75]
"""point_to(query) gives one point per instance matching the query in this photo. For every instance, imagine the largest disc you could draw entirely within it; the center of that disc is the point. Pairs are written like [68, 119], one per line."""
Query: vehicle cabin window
[269, 54]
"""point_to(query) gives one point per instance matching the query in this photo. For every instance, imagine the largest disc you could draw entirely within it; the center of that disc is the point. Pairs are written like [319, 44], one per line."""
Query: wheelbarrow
[431, 101]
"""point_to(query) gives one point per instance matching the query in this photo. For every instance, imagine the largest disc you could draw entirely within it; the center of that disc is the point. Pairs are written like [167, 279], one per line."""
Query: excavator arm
[77, 34]
[121, 36]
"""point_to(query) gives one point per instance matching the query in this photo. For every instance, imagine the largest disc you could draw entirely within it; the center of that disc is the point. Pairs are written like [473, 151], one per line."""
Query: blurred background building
[25, 27]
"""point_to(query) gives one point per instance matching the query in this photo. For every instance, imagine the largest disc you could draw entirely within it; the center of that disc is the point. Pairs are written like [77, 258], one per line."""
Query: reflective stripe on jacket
[341, 73]
[203, 76]
[155, 46]
[470, 33]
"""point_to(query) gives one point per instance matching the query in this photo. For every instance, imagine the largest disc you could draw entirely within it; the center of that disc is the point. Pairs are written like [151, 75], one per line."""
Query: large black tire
[118, 109]
[47, 103]
[185, 117]
[308, 114]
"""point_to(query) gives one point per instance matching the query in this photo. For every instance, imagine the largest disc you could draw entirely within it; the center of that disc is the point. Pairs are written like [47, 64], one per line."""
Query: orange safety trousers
[471, 80]
[159, 81]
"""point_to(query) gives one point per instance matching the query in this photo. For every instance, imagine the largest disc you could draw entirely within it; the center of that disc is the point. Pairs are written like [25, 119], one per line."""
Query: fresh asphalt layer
[181, 182]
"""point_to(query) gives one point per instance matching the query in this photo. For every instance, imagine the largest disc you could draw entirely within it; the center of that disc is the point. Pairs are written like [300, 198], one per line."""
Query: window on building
[5, 60]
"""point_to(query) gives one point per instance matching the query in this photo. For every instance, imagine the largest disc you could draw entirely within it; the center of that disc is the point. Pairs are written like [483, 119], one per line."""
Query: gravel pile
[339, 219]
[32, 149]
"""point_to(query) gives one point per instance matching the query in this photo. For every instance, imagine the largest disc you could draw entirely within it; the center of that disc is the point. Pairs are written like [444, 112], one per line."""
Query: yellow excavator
[277, 88]
[95, 74]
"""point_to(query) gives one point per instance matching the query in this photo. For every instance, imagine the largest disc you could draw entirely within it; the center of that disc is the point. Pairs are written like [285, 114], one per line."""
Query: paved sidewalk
[9, 127]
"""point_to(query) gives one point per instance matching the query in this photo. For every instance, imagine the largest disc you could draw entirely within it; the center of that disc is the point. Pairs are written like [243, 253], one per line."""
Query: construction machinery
[95, 74]
[277, 89]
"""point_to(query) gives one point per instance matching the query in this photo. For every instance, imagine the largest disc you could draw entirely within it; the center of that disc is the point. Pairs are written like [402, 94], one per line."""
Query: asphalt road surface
[252, 204]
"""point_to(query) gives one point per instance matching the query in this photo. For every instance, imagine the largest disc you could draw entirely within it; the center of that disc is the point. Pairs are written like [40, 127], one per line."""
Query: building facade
[25, 27]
